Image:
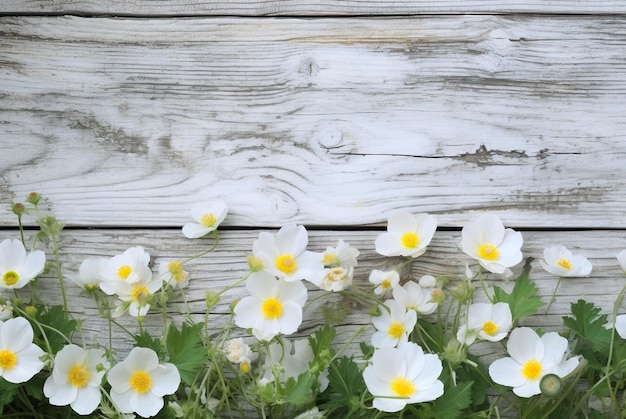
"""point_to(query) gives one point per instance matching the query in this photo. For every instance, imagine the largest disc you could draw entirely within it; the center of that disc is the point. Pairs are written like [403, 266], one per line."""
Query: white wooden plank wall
[124, 114]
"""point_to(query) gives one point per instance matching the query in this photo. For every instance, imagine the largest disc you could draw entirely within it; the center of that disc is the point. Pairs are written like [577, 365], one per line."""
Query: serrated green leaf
[7, 391]
[298, 392]
[453, 401]
[55, 318]
[145, 340]
[523, 300]
[186, 350]
[589, 324]
[345, 377]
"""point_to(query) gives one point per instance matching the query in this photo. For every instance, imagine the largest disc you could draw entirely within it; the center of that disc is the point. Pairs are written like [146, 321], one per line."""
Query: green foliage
[454, 400]
[588, 324]
[298, 392]
[57, 326]
[522, 300]
[186, 350]
[345, 388]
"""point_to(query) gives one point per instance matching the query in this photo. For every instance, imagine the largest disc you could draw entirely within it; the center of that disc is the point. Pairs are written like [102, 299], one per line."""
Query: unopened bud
[211, 298]
[463, 291]
[31, 311]
[33, 198]
[255, 263]
[437, 295]
[18, 208]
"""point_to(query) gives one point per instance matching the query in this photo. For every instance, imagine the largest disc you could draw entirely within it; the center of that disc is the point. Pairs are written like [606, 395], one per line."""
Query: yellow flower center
[336, 275]
[10, 278]
[78, 376]
[176, 270]
[564, 263]
[272, 308]
[8, 359]
[140, 381]
[244, 367]
[396, 330]
[531, 370]
[386, 284]
[329, 259]
[410, 240]
[488, 251]
[490, 328]
[402, 387]
[286, 263]
[139, 293]
[123, 271]
[208, 220]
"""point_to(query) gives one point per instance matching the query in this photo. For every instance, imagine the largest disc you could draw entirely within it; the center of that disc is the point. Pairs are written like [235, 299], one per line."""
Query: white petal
[60, 395]
[556, 346]
[506, 371]
[388, 244]
[292, 239]
[620, 325]
[401, 222]
[522, 344]
[12, 254]
[291, 318]
[262, 285]
[33, 265]
[16, 334]
[87, 400]
[427, 394]
[194, 230]
[528, 389]
[166, 379]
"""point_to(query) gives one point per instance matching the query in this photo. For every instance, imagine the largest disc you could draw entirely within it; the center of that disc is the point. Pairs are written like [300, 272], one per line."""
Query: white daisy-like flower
[89, 274]
[136, 296]
[19, 356]
[18, 268]
[291, 360]
[239, 352]
[129, 267]
[407, 234]
[334, 279]
[385, 281]
[284, 254]
[208, 217]
[76, 378]
[621, 258]
[493, 246]
[411, 296]
[343, 255]
[486, 321]
[274, 306]
[620, 325]
[173, 274]
[139, 383]
[531, 358]
[403, 375]
[559, 261]
[393, 325]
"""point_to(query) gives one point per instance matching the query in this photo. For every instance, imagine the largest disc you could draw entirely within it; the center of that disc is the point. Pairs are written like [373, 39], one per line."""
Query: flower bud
[18, 208]
[255, 263]
[437, 295]
[31, 311]
[463, 292]
[33, 198]
[550, 385]
[211, 298]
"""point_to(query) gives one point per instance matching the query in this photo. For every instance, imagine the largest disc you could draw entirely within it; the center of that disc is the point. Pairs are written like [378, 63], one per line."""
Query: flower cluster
[421, 355]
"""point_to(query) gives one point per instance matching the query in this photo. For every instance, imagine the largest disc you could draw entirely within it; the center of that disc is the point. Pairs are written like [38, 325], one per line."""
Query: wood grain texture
[129, 122]
[307, 8]
[228, 263]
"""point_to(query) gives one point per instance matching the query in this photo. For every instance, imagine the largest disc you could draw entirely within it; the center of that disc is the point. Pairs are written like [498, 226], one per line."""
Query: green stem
[217, 240]
[57, 267]
[553, 295]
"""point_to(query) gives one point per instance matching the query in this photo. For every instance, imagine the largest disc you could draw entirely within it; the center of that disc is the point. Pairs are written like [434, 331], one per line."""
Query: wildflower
[493, 246]
[620, 325]
[19, 356]
[89, 274]
[17, 268]
[172, 273]
[139, 383]
[411, 296]
[136, 296]
[129, 267]
[407, 235]
[532, 357]
[339, 266]
[284, 254]
[76, 378]
[343, 255]
[6, 309]
[207, 217]
[274, 306]
[335, 279]
[486, 321]
[401, 376]
[559, 261]
[393, 325]
[385, 281]
[238, 352]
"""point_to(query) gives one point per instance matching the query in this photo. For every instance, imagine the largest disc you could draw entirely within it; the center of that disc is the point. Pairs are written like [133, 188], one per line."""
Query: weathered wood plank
[228, 263]
[128, 122]
[307, 8]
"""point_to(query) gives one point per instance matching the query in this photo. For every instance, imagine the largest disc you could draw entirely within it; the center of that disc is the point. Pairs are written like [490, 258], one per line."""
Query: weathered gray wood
[228, 263]
[129, 122]
[308, 8]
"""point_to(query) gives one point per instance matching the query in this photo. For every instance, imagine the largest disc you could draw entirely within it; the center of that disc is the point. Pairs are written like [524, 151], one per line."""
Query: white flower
[343, 255]
[6, 310]
[19, 356]
[238, 352]
[274, 306]
[130, 267]
[17, 268]
[407, 234]
[89, 274]
[486, 321]
[291, 360]
[411, 296]
[208, 218]
[76, 378]
[139, 383]
[334, 279]
[531, 358]
[621, 258]
[493, 246]
[559, 261]
[284, 254]
[172, 273]
[393, 325]
[620, 325]
[401, 376]
[136, 296]
[385, 281]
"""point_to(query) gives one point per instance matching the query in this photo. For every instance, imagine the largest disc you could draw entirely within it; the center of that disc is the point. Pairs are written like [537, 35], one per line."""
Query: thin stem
[57, 267]
[553, 294]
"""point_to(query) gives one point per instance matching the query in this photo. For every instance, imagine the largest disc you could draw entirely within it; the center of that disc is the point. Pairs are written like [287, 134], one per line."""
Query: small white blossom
[89, 274]
[407, 234]
[393, 325]
[411, 296]
[173, 274]
[19, 356]
[18, 268]
[486, 321]
[385, 281]
[208, 217]
[129, 267]
[559, 261]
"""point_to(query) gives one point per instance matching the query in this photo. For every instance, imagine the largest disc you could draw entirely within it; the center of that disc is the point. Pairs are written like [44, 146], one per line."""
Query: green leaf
[453, 401]
[298, 392]
[55, 318]
[145, 340]
[589, 324]
[186, 350]
[523, 299]
[7, 391]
